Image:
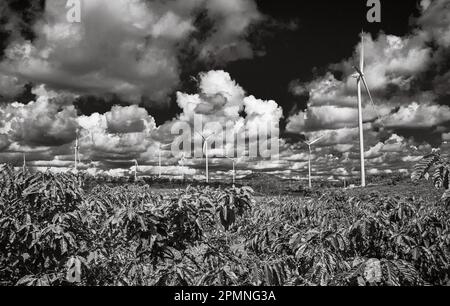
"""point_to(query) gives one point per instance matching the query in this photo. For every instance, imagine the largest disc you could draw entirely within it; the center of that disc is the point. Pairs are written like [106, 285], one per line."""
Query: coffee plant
[57, 230]
[438, 168]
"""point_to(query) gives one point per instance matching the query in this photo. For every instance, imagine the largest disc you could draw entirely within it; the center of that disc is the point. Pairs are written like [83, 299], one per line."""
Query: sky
[132, 70]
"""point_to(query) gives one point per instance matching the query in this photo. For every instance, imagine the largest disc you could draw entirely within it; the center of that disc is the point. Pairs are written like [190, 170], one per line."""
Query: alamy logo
[73, 14]
[374, 14]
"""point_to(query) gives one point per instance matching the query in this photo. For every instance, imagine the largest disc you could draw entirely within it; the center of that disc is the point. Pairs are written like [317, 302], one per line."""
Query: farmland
[56, 230]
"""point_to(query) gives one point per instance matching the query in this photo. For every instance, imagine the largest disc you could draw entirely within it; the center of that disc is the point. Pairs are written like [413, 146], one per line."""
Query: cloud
[131, 119]
[224, 109]
[233, 19]
[446, 137]
[4, 142]
[435, 21]
[10, 87]
[39, 123]
[329, 118]
[121, 134]
[128, 48]
[419, 116]
[219, 97]
[114, 139]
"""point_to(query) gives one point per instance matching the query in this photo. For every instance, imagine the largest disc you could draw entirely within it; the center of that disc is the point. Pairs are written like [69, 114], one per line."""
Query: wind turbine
[77, 147]
[234, 160]
[182, 161]
[205, 150]
[136, 165]
[24, 167]
[309, 144]
[164, 146]
[361, 79]
[159, 162]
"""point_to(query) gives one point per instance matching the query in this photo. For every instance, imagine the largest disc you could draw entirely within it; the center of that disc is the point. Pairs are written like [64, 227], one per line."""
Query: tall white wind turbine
[361, 79]
[309, 144]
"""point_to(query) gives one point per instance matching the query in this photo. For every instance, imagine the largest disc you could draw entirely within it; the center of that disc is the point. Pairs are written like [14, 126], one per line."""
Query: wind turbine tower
[136, 165]
[159, 162]
[234, 160]
[24, 167]
[309, 144]
[361, 80]
[77, 147]
[205, 150]
[182, 162]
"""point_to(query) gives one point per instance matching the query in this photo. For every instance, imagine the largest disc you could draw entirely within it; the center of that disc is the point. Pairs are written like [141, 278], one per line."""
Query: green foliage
[53, 232]
[435, 166]
[40, 226]
[369, 239]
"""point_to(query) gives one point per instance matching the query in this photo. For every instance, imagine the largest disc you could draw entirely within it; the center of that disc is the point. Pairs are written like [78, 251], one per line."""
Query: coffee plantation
[57, 232]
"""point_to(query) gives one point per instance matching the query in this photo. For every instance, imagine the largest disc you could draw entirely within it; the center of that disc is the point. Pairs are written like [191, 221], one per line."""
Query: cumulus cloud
[39, 123]
[435, 20]
[10, 87]
[131, 119]
[129, 48]
[446, 137]
[219, 98]
[46, 130]
[233, 18]
[124, 139]
[224, 109]
[4, 142]
[419, 116]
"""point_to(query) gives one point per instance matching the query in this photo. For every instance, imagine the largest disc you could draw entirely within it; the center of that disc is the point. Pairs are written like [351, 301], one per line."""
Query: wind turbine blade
[371, 100]
[315, 141]
[361, 63]
[360, 73]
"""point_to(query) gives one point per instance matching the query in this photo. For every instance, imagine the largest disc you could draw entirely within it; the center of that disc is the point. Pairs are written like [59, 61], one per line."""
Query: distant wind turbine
[234, 160]
[77, 147]
[159, 163]
[360, 78]
[165, 146]
[205, 150]
[24, 167]
[136, 165]
[309, 144]
[182, 162]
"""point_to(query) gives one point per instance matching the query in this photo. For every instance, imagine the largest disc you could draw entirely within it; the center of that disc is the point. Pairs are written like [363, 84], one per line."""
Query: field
[56, 230]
